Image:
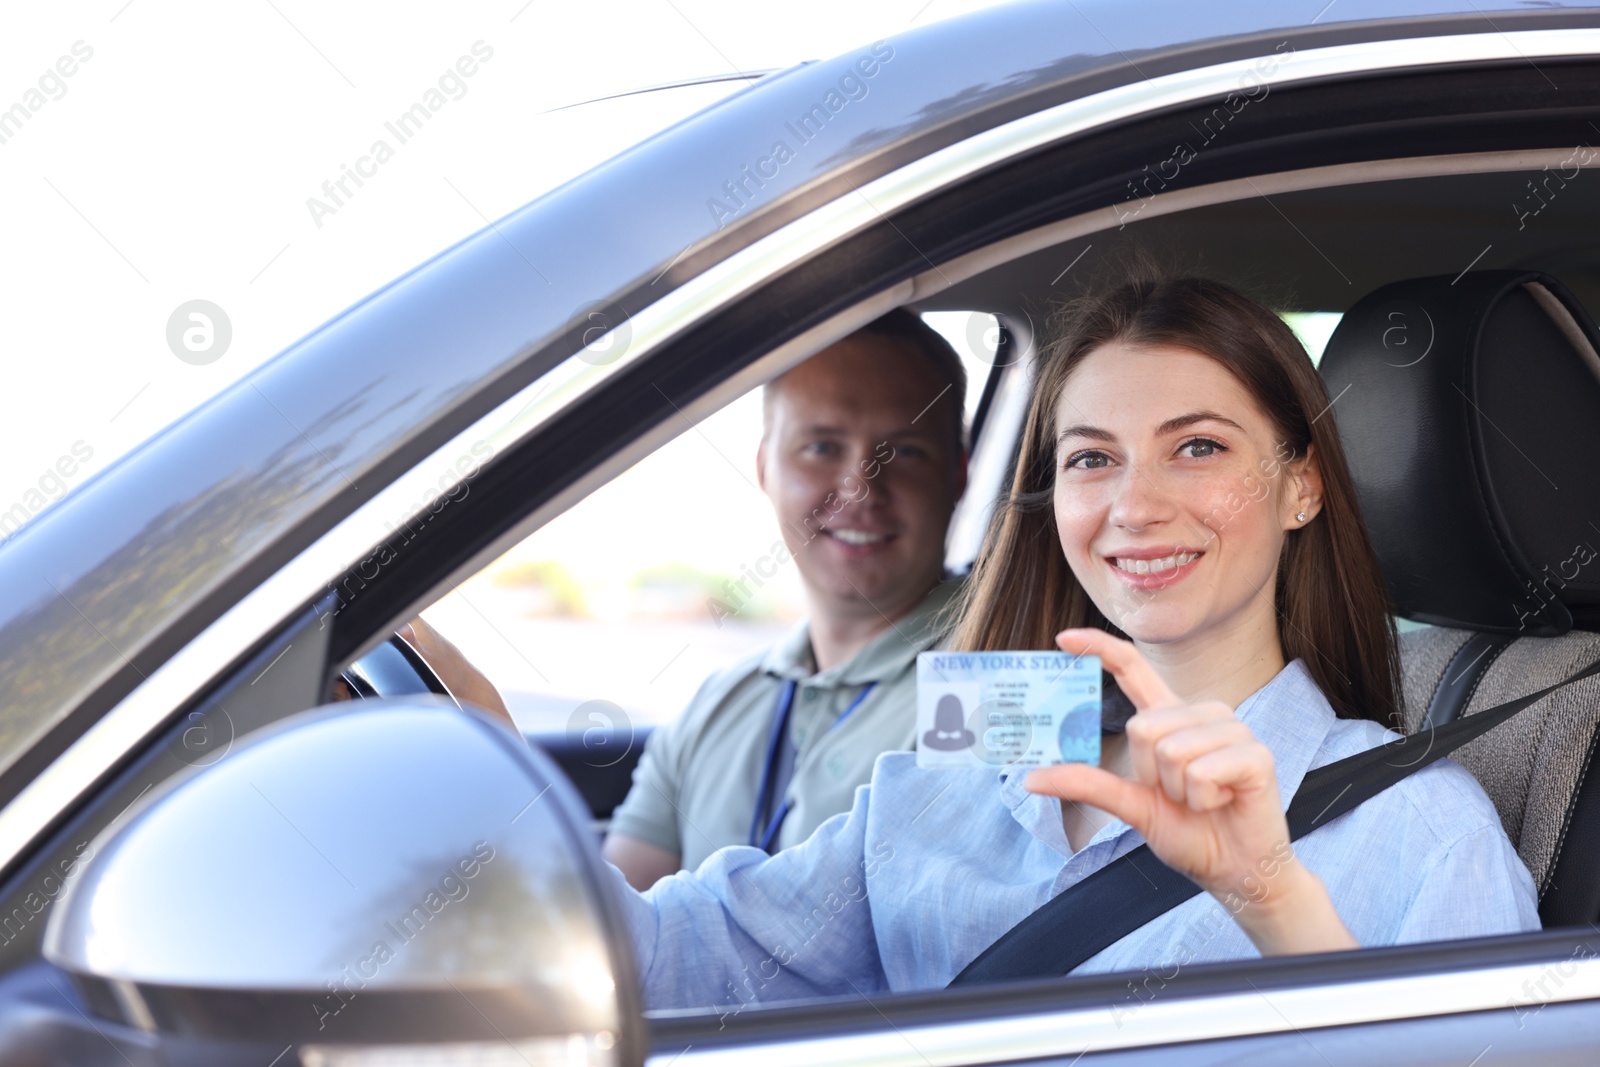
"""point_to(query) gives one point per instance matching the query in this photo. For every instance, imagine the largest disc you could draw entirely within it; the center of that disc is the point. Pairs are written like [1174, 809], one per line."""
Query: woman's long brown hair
[1332, 604]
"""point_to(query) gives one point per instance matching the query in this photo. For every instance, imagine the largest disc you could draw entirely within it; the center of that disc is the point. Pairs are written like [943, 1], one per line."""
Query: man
[862, 455]
[863, 459]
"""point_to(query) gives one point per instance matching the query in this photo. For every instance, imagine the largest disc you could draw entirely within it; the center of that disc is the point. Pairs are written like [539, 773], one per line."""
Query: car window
[1313, 328]
[621, 607]
[669, 573]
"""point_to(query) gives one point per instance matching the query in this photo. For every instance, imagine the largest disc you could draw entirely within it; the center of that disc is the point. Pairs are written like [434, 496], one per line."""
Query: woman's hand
[466, 683]
[1205, 796]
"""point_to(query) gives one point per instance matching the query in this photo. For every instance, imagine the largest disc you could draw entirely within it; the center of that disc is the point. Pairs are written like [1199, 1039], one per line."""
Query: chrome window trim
[299, 581]
[1071, 1033]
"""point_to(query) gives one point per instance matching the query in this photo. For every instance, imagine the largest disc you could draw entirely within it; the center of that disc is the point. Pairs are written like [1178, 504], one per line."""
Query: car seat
[1469, 411]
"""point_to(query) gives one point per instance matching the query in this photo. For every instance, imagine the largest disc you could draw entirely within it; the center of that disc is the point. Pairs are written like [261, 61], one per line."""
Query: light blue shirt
[928, 868]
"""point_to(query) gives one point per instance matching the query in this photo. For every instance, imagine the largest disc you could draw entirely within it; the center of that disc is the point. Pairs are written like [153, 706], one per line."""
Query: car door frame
[693, 348]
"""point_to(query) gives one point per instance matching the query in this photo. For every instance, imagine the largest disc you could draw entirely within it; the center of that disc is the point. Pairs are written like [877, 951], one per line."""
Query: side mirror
[382, 882]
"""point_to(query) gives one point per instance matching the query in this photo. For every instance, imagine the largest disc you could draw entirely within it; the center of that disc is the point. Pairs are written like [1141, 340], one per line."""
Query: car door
[284, 530]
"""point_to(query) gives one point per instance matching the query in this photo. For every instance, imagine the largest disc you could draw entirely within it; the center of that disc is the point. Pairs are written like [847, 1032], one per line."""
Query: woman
[1178, 485]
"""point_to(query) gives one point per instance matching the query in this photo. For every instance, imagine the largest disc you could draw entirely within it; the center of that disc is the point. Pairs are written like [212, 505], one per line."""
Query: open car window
[611, 616]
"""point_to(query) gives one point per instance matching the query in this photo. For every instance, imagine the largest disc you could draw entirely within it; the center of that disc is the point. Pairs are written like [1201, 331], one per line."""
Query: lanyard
[760, 838]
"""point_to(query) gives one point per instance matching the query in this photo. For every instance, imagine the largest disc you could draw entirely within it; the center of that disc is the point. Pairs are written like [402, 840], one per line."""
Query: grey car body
[705, 258]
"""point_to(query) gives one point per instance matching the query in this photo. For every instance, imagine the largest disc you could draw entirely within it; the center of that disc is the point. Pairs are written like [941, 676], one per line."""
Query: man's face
[864, 467]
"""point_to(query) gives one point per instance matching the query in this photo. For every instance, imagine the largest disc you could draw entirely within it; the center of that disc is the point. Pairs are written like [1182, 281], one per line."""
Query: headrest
[1469, 410]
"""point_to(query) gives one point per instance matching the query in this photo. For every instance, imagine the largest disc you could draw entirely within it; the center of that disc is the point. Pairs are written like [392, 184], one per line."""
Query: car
[193, 831]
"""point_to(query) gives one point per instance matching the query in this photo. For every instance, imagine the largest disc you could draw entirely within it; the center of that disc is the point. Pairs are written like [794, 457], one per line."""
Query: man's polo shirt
[695, 788]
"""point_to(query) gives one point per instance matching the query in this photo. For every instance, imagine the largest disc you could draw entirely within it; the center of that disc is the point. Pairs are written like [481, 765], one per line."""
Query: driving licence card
[997, 709]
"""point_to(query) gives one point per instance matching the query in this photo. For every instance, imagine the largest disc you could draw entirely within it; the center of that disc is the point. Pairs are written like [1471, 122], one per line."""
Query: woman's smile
[1157, 567]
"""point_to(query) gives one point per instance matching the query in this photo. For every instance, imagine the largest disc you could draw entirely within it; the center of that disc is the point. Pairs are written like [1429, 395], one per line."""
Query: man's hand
[1205, 797]
[468, 684]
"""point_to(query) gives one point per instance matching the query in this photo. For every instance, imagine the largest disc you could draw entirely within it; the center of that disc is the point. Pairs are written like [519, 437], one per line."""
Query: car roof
[104, 586]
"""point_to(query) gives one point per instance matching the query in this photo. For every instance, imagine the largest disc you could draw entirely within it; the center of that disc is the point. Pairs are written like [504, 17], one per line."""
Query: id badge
[1007, 709]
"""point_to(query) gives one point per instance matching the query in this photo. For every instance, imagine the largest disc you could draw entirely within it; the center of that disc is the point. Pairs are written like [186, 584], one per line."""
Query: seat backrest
[1534, 767]
[1469, 411]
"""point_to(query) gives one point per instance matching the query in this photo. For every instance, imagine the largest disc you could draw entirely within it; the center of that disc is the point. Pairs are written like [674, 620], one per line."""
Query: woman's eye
[1200, 447]
[1088, 460]
[821, 448]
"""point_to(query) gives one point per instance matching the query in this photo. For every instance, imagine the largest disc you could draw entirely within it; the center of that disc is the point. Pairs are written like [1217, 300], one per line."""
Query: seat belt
[1136, 888]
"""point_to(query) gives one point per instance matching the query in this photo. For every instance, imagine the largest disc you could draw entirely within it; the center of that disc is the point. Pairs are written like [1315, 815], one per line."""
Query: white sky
[175, 163]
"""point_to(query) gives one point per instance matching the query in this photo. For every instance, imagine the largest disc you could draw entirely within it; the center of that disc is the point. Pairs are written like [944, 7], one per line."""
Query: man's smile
[858, 541]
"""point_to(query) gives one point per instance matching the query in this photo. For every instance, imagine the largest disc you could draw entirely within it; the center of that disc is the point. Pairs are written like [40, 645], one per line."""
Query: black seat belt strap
[1137, 887]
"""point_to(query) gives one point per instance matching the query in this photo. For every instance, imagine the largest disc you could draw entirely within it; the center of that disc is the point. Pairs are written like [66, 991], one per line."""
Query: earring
[1301, 516]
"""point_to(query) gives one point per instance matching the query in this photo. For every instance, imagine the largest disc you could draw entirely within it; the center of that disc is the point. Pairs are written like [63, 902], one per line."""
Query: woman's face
[1173, 493]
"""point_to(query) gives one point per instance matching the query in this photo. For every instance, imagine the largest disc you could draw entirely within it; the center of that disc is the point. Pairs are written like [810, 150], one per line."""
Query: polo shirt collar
[1289, 715]
[886, 655]
[791, 656]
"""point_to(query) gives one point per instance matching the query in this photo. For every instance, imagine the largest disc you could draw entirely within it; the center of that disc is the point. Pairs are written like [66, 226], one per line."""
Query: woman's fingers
[1219, 777]
[1201, 767]
[1147, 729]
[1129, 801]
[1202, 787]
[1174, 752]
[1134, 674]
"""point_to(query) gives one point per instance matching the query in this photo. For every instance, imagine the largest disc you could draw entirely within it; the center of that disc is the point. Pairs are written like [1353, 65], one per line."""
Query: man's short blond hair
[905, 327]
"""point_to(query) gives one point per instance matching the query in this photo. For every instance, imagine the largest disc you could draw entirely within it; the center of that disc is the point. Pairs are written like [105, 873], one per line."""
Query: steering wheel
[392, 669]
